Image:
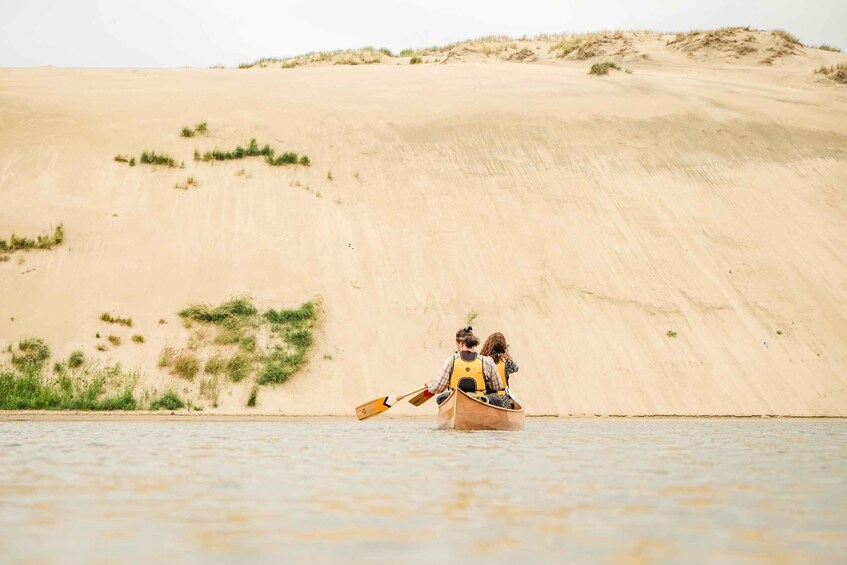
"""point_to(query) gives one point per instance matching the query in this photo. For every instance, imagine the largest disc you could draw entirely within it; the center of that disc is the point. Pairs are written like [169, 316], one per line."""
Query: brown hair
[466, 336]
[495, 346]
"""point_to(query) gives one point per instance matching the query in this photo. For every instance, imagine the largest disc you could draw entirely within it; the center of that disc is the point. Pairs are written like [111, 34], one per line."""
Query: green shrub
[601, 69]
[215, 365]
[132, 161]
[671, 333]
[76, 359]
[407, 53]
[305, 313]
[186, 365]
[41, 241]
[202, 127]
[28, 389]
[416, 60]
[138, 338]
[187, 132]
[168, 401]
[304, 160]
[239, 367]
[830, 48]
[166, 356]
[33, 352]
[153, 158]
[107, 317]
[239, 307]
[114, 340]
[251, 401]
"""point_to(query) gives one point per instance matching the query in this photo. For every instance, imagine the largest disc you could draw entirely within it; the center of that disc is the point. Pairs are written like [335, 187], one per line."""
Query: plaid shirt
[442, 378]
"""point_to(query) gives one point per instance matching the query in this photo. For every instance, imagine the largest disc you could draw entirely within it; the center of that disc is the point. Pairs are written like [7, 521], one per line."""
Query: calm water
[388, 491]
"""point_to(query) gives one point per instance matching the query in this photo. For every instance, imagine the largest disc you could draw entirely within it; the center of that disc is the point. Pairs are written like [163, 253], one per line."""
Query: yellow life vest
[468, 371]
[501, 368]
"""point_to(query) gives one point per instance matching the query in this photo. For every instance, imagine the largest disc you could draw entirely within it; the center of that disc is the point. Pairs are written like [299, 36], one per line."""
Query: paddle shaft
[381, 404]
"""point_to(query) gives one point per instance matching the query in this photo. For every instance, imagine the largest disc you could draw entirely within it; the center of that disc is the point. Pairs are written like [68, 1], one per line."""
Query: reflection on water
[387, 491]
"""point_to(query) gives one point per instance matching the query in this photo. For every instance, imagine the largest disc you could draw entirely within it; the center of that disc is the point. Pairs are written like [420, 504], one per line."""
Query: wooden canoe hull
[462, 412]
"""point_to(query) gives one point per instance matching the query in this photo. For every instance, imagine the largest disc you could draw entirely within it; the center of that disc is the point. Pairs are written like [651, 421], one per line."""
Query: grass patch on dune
[201, 128]
[416, 60]
[153, 158]
[109, 318]
[42, 241]
[837, 73]
[253, 150]
[831, 48]
[268, 346]
[170, 400]
[602, 69]
[73, 386]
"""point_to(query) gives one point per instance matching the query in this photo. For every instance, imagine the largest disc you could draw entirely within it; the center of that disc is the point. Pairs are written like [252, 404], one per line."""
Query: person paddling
[469, 372]
[497, 348]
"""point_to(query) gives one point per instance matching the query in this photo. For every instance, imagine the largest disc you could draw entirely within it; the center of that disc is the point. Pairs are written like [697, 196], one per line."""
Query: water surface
[388, 491]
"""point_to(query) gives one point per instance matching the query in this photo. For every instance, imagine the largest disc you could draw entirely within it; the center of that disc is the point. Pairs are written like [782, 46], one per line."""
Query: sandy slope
[584, 217]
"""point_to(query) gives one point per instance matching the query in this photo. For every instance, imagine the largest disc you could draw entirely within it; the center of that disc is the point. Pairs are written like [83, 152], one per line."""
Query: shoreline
[114, 416]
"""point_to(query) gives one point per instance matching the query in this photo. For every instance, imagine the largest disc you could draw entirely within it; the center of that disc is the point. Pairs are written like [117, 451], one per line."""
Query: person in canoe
[468, 371]
[497, 348]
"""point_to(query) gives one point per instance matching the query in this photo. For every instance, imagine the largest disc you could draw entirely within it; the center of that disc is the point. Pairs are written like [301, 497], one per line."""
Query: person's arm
[442, 378]
[492, 377]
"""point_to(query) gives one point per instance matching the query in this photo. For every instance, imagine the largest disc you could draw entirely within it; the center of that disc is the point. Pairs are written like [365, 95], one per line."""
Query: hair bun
[470, 329]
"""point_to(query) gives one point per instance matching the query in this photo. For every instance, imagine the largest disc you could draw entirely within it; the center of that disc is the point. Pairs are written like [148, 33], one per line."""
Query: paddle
[381, 404]
[420, 398]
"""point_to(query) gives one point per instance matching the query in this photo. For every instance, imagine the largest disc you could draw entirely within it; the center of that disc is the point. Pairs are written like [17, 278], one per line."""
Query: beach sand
[585, 217]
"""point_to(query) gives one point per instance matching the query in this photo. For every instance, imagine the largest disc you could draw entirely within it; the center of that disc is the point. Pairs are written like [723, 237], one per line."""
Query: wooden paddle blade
[420, 398]
[374, 407]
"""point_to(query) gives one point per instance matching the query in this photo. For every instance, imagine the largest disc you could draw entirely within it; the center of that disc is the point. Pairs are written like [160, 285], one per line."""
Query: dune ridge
[666, 241]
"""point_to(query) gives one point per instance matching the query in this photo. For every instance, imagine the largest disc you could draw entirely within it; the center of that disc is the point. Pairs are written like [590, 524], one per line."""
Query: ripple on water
[327, 490]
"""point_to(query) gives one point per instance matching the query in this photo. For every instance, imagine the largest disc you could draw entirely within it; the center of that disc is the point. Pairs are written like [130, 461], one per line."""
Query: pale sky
[177, 33]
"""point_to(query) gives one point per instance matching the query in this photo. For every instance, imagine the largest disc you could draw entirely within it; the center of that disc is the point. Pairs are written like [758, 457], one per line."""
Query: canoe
[463, 412]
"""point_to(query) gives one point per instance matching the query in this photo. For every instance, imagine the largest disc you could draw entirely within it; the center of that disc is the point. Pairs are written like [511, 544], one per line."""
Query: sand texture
[585, 217]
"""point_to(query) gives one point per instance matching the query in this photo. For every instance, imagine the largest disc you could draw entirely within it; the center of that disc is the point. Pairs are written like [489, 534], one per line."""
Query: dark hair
[466, 336]
[494, 347]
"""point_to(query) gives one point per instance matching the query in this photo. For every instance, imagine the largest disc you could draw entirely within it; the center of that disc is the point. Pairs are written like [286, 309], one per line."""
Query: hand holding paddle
[381, 404]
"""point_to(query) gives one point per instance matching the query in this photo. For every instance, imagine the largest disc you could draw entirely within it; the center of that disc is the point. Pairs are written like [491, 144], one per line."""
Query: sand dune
[585, 217]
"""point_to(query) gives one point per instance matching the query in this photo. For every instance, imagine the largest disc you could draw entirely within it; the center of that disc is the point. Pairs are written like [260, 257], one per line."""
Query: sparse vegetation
[778, 332]
[191, 181]
[138, 338]
[132, 161]
[253, 150]
[168, 401]
[121, 158]
[251, 400]
[210, 389]
[416, 60]
[329, 176]
[201, 128]
[471, 317]
[76, 359]
[42, 241]
[32, 354]
[25, 387]
[153, 158]
[671, 333]
[114, 340]
[787, 37]
[288, 331]
[215, 365]
[107, 317]
[601, 69]
[826, 47]
[407, 53]
[166, 356]
[186, 365]
[837, 73]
